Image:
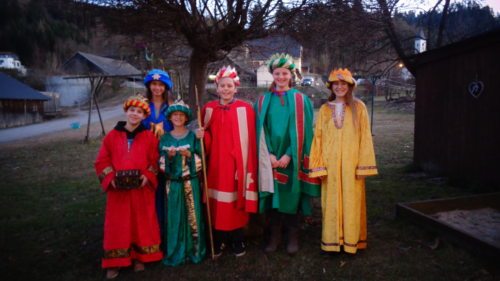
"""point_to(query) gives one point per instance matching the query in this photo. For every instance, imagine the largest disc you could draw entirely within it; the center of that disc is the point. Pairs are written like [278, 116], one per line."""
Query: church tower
[420, 42]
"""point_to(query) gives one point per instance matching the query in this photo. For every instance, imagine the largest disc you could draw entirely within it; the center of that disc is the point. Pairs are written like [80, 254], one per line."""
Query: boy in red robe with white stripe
[127, 165]
[229, 136]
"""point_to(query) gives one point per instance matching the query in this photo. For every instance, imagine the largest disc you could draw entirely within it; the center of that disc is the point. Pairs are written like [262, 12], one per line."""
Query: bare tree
[386, 11]
[342, 33]
[212, 28]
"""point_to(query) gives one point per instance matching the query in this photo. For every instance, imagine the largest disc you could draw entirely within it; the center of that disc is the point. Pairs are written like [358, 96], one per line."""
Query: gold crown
[340, 74]
[180, 102]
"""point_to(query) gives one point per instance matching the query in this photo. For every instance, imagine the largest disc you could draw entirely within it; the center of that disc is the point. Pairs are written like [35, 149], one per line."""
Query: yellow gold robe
[342, 157]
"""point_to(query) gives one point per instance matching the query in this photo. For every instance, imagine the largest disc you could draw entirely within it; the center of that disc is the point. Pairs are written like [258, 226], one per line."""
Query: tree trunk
[430, 44]
[442, 23]
[198, 63]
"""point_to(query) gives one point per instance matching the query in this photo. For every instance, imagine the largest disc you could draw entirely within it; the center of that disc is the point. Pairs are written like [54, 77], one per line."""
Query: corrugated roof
[241, 68]
[101, 65]
[11, 89]
[264, 48]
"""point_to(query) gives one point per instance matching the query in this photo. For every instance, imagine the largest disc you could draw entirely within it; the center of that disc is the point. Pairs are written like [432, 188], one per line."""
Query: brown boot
[292, 246]
[274, 240]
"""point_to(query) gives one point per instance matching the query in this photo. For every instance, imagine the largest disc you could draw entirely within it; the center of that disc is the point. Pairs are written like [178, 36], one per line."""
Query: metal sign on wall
[475, 88]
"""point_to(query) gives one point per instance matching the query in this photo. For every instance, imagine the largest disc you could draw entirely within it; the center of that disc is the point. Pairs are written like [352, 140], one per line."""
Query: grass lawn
[52, 209]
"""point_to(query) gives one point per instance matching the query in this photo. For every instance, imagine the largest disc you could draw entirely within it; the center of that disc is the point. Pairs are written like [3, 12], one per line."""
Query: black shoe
[218, 250]
[239, 249]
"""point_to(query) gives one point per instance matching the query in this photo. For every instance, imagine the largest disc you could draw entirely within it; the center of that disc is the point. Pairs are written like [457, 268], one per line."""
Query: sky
[494, 4]
[427, 4]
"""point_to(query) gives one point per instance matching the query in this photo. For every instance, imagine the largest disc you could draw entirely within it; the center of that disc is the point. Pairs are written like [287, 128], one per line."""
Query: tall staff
[205, 187]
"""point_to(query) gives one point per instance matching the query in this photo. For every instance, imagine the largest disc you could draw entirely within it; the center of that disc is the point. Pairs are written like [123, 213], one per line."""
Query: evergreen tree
[33, 30]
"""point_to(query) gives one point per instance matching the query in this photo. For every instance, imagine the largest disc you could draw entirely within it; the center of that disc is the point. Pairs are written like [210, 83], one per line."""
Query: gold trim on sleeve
[318, 169]
[366, 167]
[106, 171]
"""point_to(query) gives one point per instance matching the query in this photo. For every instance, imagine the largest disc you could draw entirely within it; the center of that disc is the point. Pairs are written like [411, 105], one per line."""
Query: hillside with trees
[44, 32]
[369, 36]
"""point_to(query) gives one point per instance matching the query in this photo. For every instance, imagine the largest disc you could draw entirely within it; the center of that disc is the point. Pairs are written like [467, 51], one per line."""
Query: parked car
[308, 81]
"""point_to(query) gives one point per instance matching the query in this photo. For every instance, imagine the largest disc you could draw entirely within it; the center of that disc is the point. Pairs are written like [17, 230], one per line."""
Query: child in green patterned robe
[184, 237]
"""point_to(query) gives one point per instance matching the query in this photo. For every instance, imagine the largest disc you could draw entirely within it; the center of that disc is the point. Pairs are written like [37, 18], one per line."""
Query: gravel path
[60, 124]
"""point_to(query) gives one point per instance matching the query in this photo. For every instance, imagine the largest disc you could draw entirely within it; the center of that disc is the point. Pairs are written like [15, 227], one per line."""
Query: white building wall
[73, 91]
[264, 78]
[420, 45]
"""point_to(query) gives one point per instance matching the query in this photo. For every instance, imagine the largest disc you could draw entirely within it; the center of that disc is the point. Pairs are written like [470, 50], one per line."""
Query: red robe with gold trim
[232, 163]
[131, 228]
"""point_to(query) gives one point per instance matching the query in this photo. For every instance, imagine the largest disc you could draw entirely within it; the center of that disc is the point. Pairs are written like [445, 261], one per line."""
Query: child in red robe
[229, 135]
[127, 166]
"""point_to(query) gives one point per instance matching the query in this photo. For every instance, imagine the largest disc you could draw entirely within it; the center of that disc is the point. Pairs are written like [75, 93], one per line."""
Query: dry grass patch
[52, 215]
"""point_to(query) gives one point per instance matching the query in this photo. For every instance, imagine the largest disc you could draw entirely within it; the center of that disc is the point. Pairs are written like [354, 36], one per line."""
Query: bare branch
[442, 23]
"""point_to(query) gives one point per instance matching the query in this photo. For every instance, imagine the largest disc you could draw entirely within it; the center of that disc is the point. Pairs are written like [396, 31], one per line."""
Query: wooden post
[205, 185]
[100, 82]
[91, 79]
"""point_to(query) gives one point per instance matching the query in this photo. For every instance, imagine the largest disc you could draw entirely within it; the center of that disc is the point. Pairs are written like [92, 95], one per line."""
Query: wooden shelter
[457, 110]
[97, 69]
[19, 103]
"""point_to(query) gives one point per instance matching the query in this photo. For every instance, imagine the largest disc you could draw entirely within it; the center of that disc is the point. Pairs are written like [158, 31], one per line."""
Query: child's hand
[144, 180]
[185, 152]
[274, 162]
[171, 152]
[284, 161]
[200, 132]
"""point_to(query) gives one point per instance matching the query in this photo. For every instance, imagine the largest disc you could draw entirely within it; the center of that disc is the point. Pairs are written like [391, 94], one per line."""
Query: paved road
[12, 134]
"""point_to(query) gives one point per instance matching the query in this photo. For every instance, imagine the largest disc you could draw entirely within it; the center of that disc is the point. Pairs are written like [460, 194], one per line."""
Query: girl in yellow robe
[342, 156]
